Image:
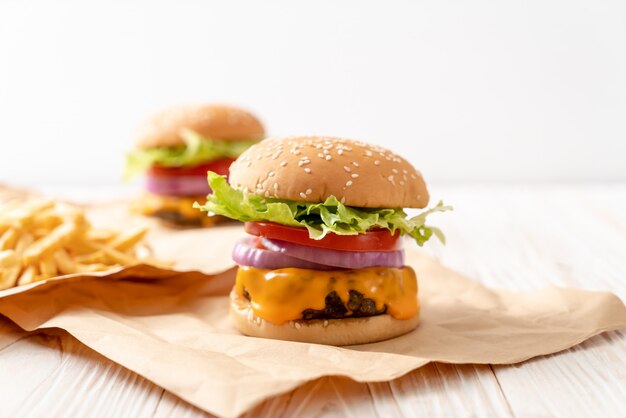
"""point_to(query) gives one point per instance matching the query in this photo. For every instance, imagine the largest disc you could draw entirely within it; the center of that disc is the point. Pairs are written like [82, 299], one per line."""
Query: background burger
[323, 262]
[177, 147]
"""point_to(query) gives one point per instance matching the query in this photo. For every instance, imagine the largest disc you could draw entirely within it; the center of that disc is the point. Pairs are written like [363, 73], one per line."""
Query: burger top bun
[212, 121]
[312, 168]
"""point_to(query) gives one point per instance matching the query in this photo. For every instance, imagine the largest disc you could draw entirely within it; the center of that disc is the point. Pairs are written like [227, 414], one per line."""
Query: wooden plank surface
[514, 237]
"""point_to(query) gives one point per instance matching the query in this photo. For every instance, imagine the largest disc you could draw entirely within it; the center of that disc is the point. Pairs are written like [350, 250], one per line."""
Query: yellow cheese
[149, 204]
[279, 296]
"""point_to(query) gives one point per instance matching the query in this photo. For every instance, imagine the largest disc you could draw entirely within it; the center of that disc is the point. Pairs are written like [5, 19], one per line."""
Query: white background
[468, 90]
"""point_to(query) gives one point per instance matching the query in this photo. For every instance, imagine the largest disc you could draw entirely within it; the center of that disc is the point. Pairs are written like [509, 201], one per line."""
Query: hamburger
[176, 148]
[323, 260]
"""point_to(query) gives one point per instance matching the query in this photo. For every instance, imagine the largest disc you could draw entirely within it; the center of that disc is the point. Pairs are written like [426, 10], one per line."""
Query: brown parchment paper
[173, 328]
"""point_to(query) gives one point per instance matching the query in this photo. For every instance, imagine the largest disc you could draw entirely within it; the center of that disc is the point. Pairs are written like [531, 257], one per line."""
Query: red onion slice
[245, 253]
[178, 185]
[337, 258]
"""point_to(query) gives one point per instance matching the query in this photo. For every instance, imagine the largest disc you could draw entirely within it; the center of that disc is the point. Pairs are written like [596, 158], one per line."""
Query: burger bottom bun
[347, 331]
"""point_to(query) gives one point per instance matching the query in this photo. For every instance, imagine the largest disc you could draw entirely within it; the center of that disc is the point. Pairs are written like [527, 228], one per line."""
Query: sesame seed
[325, 323]
[354, 163]
[345, 167]
[282, 163]
[328, 158]
[308, 191]
[276, 186]
[405, 171]
[320, 155]
[354, 175]
[298, 326]
[302, 195]
[349, 183]
[413, 176]
[394, 171]
[376, 162]
[401, 182]
[368, 153]
[340, 152]
[248, 164]
[390, 178]
[307, 170]
[343, 200]
[303, 162]
[270, 174]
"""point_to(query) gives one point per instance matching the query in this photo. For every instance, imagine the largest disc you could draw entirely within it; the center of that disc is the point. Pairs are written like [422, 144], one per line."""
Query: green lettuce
[319, 218]
[197, 150]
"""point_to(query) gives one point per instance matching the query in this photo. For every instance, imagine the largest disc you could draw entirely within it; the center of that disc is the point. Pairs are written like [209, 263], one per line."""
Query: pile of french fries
[41, 239]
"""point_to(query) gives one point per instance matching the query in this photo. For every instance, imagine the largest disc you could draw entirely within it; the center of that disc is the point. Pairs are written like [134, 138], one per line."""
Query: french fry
[41, 239]
[101, 235]
[8, 259]
[8, 277]
[47, 219]
[64, 262]
[28, 275]
[8, 238]
[94, 257]
[23, 242]
[128, 239]
[5, 281]
[48, 267]
[81, 246]
[22, 215]
[5, 209]
[48, 244]
[92, 268]
[118, 257]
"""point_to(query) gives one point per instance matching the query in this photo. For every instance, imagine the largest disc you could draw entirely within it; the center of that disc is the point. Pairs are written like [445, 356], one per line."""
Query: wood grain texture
[514, 237]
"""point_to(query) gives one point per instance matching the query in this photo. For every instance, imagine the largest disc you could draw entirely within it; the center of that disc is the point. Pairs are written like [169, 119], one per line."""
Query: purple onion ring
[178, 185]
[337, 258]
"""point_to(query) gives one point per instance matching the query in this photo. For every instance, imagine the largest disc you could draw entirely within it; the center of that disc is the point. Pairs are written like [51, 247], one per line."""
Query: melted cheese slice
[149, 204]
[279, 296]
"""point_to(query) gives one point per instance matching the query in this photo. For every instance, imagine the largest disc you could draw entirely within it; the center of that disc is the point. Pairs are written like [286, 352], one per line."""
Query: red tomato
[376, 240]
[218, 166]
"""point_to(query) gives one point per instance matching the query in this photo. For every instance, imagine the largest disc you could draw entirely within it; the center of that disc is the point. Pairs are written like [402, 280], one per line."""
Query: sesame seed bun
[347, 331]
[212, 121]
[312, 168]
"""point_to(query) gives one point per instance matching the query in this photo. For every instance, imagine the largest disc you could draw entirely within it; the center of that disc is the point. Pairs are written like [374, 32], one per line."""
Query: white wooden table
[514, 237]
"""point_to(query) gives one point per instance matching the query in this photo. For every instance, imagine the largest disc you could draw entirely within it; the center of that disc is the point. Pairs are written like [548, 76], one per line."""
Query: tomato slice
[375, 240]
[220, 166]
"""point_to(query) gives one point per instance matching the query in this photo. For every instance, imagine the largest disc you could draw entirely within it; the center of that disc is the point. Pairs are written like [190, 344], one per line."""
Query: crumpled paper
[173, 329]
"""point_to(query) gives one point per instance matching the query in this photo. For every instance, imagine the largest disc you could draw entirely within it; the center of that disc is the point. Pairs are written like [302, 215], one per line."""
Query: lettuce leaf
[319, 218]
[197, 150]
